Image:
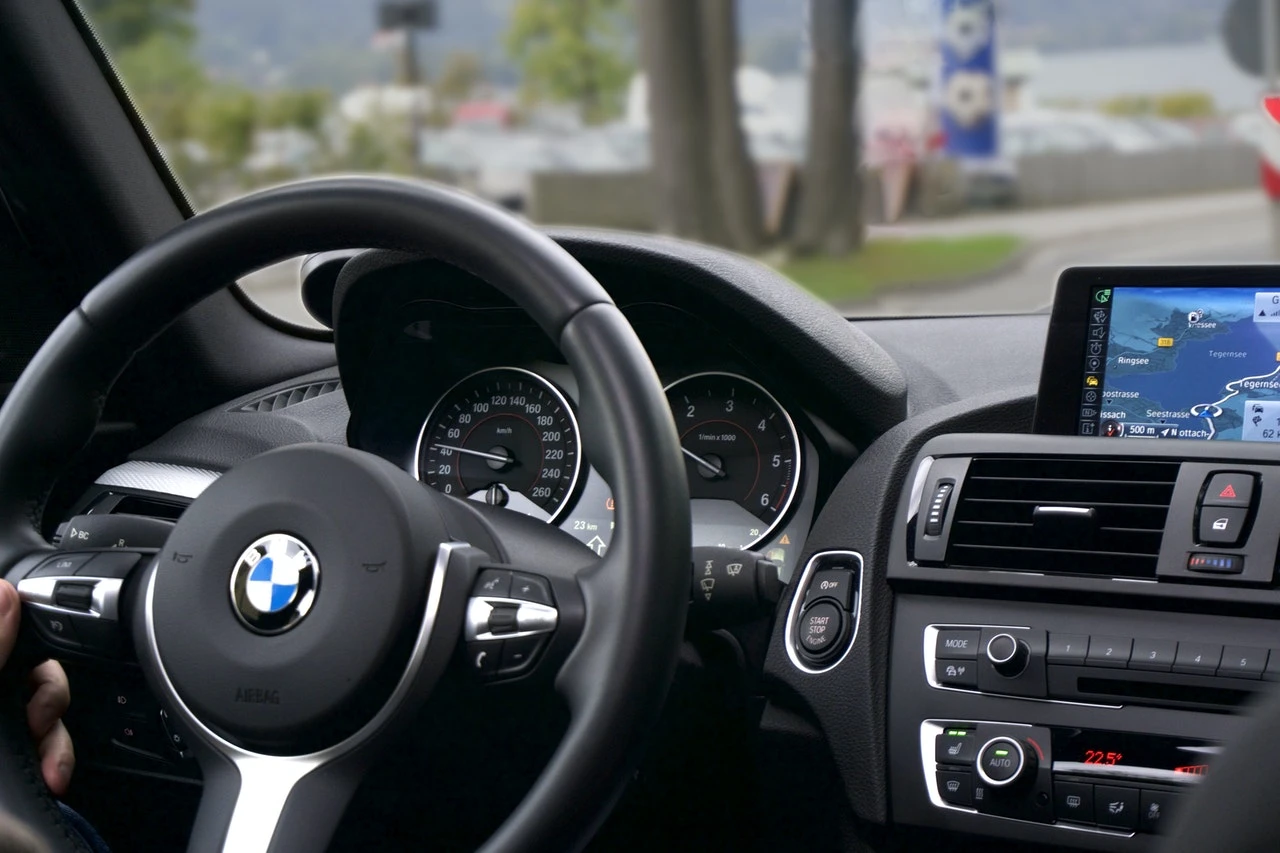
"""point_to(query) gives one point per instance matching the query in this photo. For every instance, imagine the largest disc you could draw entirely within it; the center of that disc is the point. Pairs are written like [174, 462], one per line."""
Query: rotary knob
[1008, 655]
[1003, 761]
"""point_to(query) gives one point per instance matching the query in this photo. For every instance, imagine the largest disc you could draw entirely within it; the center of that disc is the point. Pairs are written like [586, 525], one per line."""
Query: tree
[572, 51]
[123, 24]
[224, 119]
[304, 109]
[462, 73]
[829, 215]
[163, 81]
[704, 178]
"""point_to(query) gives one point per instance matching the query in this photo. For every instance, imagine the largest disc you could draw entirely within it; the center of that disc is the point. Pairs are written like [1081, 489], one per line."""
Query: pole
[1270, 71]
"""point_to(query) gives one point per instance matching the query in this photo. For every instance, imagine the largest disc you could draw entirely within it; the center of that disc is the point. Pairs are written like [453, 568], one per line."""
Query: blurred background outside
[893, 156]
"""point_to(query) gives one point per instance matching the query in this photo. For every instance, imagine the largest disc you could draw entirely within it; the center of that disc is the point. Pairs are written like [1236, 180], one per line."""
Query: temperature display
[1099, 756]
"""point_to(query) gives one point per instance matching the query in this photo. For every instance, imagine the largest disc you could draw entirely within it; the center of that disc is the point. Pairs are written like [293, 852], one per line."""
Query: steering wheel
[376, 577]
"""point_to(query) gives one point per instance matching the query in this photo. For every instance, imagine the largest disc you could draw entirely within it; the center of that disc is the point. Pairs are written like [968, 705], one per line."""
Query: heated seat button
[957, 644]
[1073, 801]
[820, 626]
[956, 746]
[1229, 488]
[1221, 525]
[1115, 807]
[956, 787]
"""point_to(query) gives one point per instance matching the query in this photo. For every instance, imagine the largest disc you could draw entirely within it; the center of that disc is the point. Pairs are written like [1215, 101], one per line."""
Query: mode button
[958, 644]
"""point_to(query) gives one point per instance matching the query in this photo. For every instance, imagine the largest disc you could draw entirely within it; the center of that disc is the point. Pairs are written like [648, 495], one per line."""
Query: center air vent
[1060, 515]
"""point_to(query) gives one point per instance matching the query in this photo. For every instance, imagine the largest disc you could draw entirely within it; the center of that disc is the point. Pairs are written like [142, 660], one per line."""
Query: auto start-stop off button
[820, 627]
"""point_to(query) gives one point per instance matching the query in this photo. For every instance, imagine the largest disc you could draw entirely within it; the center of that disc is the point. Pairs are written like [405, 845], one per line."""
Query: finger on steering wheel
[50, 697]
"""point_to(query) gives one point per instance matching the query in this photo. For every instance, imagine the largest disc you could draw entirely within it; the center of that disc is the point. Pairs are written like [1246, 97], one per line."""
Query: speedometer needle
[493, 457]
[714, 469]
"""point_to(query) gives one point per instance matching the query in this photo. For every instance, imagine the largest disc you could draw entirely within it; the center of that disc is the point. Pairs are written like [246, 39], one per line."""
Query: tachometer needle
[493, 457]
[715, 470]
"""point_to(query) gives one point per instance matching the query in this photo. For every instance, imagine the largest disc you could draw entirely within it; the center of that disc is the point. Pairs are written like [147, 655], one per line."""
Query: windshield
[895, 157]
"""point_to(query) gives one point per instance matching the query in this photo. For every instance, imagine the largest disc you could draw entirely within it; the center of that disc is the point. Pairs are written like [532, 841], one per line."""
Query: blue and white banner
[969, 83]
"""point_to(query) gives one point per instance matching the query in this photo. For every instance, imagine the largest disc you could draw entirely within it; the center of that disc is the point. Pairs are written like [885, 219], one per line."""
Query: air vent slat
[996, 526]
[289, 397]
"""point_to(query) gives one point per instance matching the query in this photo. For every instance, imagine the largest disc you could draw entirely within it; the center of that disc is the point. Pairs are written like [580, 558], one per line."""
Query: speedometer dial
[506, 437]
[742, 456]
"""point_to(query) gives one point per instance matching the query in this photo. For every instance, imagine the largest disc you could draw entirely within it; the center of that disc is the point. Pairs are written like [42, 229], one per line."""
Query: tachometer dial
[742, 455]
[506, 437]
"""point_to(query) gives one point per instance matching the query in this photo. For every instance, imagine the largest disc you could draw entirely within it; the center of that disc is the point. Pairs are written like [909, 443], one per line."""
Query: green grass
[887, 263]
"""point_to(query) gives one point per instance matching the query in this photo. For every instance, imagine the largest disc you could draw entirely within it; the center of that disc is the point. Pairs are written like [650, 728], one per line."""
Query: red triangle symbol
[1228, 492]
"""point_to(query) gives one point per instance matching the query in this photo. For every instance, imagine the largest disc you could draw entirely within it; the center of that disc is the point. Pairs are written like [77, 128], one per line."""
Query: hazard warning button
[1229, 488]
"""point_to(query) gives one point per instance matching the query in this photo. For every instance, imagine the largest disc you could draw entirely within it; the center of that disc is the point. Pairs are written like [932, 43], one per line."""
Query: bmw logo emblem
[274, 583]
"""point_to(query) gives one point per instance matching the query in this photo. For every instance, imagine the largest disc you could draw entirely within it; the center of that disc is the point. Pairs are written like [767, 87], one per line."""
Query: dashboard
[998, 623]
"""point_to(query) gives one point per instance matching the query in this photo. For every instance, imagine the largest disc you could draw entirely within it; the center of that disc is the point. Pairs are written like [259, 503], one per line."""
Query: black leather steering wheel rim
[636, 603]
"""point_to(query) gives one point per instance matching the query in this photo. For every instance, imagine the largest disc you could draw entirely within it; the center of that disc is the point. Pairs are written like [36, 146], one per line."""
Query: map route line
[1200, 407]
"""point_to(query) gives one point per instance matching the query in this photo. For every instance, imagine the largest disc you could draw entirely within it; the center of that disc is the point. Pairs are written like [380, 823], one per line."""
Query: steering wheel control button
[1068, 649]
[1231, 488]
[1154, 655]
[483, 656]
[1197, 658]
[956, 673]
[1222, 525]
[957, 644]
[493, 583]
[519, 653]
[55, 628]
[956, 787]
[835, 584]
[274, 583]
[61, 565]
[1109, 651]
[820, 628]
[1242, 662]
[1115, 807]
[1155, 809]
[956, 746]
[1073, 801]
[1001, 761]
[531, 588]
[73, 596]
[1008, 655]
[111, 564]
[502, 619]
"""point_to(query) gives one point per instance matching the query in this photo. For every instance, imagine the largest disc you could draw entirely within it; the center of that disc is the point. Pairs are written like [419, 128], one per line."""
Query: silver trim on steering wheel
[267, 781]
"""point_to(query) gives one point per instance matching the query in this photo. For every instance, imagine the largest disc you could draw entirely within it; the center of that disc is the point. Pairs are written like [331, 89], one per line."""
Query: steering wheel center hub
[291, 658]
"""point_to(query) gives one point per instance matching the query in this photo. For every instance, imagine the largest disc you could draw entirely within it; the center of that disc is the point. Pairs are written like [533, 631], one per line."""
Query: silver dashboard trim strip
[797, 602]
[161, 477]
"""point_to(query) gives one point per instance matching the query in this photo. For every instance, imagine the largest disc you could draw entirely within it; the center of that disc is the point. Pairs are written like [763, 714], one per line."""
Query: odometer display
[742, 456]
[503, 436]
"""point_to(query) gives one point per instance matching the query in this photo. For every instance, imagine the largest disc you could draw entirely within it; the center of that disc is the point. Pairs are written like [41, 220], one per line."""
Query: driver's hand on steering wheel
[50, 696]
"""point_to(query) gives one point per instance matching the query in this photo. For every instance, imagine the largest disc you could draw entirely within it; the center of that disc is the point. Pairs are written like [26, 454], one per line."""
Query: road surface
[1220, 228]
[1217, 228]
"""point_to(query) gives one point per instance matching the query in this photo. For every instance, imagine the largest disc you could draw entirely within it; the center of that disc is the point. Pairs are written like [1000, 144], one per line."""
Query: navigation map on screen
[1183, 362]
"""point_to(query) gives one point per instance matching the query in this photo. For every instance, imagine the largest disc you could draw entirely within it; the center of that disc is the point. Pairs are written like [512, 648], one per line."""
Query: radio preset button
[957, 644]
[1068, 649]
[1109, 651]
[1242, 662]
[1197, 658]
[1153, 655]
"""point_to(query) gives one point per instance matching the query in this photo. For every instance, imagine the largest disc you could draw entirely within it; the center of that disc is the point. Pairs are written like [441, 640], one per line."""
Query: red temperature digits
[1098, 756]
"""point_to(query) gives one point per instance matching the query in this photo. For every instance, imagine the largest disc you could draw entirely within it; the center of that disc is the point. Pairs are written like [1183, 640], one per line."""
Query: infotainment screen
[1196, 358]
